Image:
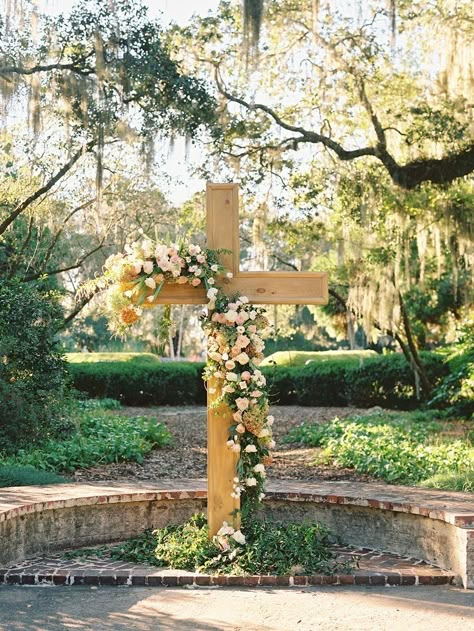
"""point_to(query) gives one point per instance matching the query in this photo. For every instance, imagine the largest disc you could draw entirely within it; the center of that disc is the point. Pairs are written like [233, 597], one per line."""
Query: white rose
[212, 293]
[270, 420]
[264, 433]
[251, 482]
[259, 468]
[231, 315]
[231, 376]
[239, 537]
[215, 356]
[148, 267]
[250, 449]
[150, 282]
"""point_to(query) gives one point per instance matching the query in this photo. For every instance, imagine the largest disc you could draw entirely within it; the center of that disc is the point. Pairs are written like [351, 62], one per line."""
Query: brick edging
[157, 579]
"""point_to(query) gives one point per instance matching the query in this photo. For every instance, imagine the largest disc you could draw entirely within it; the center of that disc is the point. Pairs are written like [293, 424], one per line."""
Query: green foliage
[99, 404]
[137, 383]
[399, 449]
[456, 391]
[33, 377]
[270, 548]
[452, 481]
[383, 380]
[101, 438]
[359, 378]
[27, 476]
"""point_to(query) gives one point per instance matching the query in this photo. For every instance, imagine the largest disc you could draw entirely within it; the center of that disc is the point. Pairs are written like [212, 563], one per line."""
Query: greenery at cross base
[100, 436]
[362, 379]
[414, 448]
[271, 547]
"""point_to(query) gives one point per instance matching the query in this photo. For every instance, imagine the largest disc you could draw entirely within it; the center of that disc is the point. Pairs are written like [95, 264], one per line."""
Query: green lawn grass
[301, 358]
[92, 358]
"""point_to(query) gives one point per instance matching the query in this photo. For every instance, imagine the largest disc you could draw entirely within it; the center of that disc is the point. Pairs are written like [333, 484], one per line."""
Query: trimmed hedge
[177, 383]
[384, 380]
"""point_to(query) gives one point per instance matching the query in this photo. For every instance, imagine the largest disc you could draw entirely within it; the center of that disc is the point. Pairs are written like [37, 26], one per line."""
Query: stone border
[156, 579]
[435, 526]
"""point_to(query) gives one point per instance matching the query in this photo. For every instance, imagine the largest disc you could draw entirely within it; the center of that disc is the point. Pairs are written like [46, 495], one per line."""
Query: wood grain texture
[221, 463]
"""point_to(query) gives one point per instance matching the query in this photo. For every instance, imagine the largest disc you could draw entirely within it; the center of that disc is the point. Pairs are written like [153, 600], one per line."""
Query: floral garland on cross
[235, 347]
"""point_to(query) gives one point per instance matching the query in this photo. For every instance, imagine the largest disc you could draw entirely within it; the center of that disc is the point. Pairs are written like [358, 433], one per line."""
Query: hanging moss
[253, 14]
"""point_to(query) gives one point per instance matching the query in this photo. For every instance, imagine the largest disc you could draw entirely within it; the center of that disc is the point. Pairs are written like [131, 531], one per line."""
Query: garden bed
[187, 456]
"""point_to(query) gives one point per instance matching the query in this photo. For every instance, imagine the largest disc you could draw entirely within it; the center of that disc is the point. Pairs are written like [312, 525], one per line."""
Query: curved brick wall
[412, 522]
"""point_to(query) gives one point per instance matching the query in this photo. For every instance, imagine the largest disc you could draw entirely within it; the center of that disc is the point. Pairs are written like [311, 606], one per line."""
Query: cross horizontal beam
[268, 288]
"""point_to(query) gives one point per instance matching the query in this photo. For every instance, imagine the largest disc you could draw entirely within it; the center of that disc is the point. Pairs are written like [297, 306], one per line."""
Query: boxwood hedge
[384, 380]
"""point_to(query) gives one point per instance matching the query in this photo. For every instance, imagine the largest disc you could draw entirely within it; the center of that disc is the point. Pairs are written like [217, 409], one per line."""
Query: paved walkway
[213, 609]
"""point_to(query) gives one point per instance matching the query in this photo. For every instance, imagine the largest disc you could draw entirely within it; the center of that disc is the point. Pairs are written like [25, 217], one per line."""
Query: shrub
[384, 380]
[456, 390]
[100, 439]
[33, 377]
[133, 383]
[27, 476]
[399, 449]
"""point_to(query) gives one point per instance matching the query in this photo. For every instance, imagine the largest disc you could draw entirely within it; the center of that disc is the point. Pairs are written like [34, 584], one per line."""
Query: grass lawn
[300, 358]
[92, 358]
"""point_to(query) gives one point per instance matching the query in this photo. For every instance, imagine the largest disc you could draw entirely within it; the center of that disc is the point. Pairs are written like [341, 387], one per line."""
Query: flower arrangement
[235, 347]
[134, 279]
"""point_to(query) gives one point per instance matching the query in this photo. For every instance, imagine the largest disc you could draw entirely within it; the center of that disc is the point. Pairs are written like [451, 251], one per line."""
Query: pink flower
[237, 416]
[230, 364]
[252, 328]
[195, 282]
[201, 258]
[242, 358]
[246, 375]
[241, 403]
[242, 341]
[240, 428]
[181, 280]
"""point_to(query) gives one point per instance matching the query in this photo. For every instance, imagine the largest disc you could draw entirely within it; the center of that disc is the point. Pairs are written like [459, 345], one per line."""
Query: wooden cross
[308, 288]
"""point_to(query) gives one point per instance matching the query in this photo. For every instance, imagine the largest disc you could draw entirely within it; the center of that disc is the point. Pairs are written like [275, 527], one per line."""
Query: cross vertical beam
[222, 232]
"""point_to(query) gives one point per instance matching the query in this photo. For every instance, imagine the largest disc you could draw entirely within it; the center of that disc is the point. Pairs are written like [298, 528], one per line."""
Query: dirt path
[187, 457]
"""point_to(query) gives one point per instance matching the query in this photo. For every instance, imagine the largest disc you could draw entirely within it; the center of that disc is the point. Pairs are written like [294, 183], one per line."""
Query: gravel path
[186, 458]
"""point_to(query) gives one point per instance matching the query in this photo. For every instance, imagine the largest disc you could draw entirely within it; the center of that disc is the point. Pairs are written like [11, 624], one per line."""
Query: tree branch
[77, 264]
[47, 187]
[305, 134]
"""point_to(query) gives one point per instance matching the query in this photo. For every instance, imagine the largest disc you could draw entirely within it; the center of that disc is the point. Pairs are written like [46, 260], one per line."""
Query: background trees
[349, 126]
